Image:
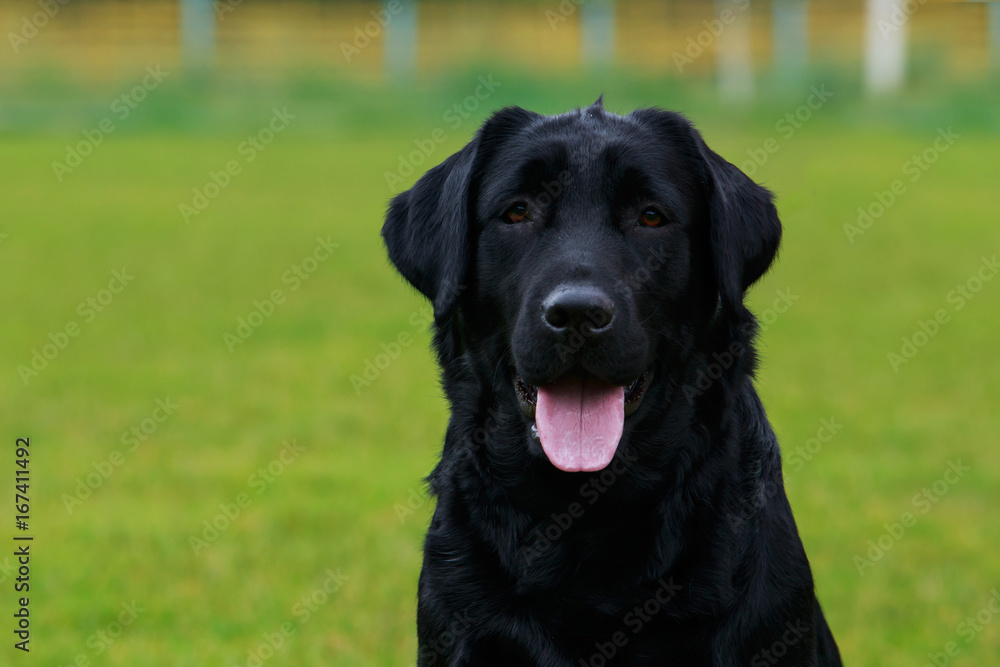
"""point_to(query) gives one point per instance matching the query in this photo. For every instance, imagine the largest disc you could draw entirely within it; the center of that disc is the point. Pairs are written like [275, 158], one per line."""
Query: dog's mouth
[579, 418]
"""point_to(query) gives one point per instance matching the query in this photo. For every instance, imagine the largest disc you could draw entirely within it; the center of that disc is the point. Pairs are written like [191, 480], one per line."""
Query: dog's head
[578, 261]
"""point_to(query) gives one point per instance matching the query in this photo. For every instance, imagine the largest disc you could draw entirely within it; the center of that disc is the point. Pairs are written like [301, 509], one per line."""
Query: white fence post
[994, 18]
[885, 45]
[400, 39]
[197, 19]
[791, 39]
[733, 55]
[597, 33]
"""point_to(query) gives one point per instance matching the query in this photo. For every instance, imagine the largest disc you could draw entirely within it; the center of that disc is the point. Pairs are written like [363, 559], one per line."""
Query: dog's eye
[651, 218]
[516, 213]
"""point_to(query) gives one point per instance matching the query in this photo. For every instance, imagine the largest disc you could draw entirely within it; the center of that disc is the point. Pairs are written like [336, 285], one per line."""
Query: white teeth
[534, 433]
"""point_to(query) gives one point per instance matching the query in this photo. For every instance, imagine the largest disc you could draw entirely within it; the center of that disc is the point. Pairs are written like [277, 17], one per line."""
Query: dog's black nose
[583, 308]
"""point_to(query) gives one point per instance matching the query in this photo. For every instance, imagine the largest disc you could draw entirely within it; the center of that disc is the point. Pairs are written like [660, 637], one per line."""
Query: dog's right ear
[429, 229]
[426, 230]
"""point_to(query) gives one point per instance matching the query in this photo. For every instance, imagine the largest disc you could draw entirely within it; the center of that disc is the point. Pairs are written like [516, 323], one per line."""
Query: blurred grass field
[337, 506]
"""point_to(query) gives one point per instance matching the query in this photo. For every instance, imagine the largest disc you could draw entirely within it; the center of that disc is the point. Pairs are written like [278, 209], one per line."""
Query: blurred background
[229, 393]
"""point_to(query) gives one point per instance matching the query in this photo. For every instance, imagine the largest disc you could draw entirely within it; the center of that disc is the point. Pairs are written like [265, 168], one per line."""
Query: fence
[730, 39]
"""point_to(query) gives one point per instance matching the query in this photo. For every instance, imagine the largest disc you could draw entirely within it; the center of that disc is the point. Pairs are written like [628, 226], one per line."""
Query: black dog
[610, 490]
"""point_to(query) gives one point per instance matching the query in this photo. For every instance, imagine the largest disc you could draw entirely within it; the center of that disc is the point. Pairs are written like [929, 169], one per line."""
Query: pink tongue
[580, 422]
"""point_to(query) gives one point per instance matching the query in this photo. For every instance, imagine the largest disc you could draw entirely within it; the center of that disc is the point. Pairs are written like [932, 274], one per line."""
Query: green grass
[336, 505]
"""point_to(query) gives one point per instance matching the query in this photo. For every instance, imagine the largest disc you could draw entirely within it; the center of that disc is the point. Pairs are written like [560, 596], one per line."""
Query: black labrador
[610, 489]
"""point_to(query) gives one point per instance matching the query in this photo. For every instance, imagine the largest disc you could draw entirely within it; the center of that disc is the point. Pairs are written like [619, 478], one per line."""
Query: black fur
[683, 551]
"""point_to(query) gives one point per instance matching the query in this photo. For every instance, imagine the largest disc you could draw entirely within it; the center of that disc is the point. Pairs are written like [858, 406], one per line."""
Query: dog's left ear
[745, 230]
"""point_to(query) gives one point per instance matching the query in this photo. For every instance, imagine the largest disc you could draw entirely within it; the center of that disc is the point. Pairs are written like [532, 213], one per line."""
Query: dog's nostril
[557, 316]
[587, 309]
